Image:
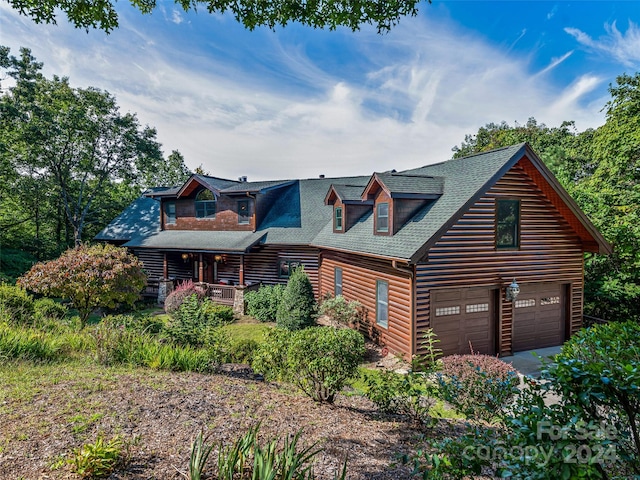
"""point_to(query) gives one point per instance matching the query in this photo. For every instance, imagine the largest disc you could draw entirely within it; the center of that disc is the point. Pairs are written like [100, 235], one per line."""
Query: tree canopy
[382, 14]
[70, 161]
[600, 168]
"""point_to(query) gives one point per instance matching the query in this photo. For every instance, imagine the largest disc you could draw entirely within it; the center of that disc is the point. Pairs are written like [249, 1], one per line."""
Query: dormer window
[205, 204]
[337, 218]
[382, 217]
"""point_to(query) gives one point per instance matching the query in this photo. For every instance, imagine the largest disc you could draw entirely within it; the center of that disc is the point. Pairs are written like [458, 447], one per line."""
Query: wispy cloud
[397, 101]
[176, 17]
[624, 47]
[554, 63]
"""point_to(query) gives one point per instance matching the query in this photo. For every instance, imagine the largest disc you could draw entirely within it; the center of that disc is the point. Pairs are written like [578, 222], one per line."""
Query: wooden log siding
[359, 275]
[153, 260]
[262, 265]
[550, 251]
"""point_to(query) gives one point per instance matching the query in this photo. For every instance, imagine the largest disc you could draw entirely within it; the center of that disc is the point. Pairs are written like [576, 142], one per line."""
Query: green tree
[89, 276]
[383, 14]
[168, 173]
[72, 159]
[297, 308]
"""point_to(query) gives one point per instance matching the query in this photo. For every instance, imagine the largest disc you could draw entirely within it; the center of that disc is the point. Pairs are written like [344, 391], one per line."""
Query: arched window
[205, 204]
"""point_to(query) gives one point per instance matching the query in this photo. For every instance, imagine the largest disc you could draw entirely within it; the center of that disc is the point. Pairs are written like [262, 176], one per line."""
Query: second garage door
[464, 318]
[538, 317]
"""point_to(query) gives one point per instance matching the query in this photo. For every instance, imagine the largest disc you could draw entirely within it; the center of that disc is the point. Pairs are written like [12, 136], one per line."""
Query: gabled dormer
[348, 206]
[397, 197]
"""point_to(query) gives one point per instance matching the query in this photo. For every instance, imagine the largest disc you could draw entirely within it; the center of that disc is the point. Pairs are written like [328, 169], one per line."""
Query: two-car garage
[466, 318]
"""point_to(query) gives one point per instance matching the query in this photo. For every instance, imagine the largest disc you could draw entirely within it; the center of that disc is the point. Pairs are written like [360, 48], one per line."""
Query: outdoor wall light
[185, 257]
[512, 291]
[219, 258]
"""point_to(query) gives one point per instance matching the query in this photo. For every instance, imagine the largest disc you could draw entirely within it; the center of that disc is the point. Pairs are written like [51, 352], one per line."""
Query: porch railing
[223, 294]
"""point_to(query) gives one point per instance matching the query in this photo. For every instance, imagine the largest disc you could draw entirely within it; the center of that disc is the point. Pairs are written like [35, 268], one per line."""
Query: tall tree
[168, 173]
[383, 14]
[76, 137]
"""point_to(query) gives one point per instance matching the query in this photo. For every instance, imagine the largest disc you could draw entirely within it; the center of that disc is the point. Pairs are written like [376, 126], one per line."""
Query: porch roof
[214, 241]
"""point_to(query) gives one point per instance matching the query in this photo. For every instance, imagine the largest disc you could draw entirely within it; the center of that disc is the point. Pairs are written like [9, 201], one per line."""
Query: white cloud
[280, 114]
[176, 17]
[624, 47]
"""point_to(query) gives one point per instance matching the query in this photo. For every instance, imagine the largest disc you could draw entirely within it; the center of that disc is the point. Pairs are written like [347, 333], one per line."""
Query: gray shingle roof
[404, 183]
[256, 187]
[197, 240]
[349, 193]
[142, 217]
[299, 215]
[465, 178]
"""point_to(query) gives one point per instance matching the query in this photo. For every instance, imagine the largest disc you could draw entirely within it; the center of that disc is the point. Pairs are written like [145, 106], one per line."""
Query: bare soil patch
[47, 411]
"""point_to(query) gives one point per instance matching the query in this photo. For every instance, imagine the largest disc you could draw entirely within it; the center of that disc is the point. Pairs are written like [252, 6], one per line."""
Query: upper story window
[205, 204]
[382, 303]
[243, 212]
[382, 217]
[507, 223]
[337, 218]
[337, 282]
[170, 212]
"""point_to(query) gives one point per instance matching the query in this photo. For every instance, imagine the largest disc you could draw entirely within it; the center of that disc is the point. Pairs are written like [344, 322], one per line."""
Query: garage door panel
[463, 316]
[538, 317]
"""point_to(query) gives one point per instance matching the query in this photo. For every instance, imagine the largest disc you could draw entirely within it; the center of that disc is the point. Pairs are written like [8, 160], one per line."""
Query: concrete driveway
[526, 363]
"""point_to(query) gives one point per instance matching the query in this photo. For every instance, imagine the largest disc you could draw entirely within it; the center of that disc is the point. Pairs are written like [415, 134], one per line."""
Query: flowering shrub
[184, 289]
[478, 386]
[90, 276]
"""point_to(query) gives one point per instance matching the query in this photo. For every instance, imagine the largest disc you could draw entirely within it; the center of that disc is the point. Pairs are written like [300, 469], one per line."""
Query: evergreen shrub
[298, 307]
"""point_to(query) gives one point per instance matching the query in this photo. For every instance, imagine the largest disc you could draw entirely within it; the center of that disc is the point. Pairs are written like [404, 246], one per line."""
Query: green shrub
[298, 307]
[191, 321]
[270, 358]
[99, 459]
[48, 309]
[142, 323]
[16, 304]
[598, 372]
[263, 303]
[14, 263]
[319, 360]
[341, 310]
[241, 350]
[478, 386]
[412, 394]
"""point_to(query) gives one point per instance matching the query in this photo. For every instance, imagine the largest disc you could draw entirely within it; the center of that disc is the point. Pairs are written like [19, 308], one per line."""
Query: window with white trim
[382, 303]
[382, 217]
[337, 281]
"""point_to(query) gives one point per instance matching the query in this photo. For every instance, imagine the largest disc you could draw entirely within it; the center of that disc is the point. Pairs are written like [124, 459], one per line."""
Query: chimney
[321, 175]
[242, 179]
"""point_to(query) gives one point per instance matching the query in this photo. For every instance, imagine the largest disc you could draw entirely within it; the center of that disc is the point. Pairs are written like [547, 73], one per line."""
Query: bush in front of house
[90, 277]
[16, 305]
[183, 290]
[319, 360]
[298, 306]
[342, 310]
[263, 303]
[190, 323]
[478, 386]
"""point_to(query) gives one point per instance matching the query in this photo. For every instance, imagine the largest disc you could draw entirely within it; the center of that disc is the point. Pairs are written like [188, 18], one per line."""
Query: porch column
[241, 271]
[200, 268]
[165, 266]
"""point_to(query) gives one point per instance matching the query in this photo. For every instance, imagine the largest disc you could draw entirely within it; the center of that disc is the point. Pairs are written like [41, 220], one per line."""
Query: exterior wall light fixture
[512, 291]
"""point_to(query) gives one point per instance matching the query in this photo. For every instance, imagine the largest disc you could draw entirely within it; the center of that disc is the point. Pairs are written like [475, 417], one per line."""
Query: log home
[441, 246]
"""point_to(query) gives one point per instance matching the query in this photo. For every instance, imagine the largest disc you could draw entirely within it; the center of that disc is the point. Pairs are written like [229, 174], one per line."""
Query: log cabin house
[436, 246]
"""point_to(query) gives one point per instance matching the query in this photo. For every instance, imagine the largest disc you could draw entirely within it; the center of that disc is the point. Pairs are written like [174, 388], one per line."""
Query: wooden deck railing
[223, 294]
[151, 290]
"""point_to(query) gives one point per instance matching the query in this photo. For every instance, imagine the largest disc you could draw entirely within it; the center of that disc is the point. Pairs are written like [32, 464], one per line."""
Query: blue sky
[300, 102]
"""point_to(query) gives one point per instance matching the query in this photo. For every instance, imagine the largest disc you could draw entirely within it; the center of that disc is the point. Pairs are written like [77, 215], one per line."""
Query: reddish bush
[183, 290]
[478, 386]
[89, 276]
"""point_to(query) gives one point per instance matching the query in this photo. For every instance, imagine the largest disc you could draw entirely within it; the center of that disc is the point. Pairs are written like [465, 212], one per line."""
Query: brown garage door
[538, 317]
[462, 317]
